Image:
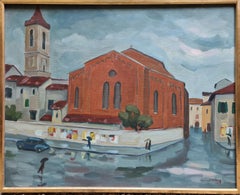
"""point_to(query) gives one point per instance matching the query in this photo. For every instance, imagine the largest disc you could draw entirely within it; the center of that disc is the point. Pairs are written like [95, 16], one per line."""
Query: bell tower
[37, 46]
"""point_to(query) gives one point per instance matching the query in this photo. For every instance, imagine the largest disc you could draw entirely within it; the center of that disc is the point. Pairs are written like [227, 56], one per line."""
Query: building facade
[106, 84]
[206, 112]
[35, 92]
[195, 112]
[223, 113]
[11, 70]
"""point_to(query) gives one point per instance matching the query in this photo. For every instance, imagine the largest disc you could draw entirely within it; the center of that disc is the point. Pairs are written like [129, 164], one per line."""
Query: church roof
[147, 61]
[37, 18]
[137, 57]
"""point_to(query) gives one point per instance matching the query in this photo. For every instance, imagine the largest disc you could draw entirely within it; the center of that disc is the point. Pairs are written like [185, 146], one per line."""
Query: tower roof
[37, 18]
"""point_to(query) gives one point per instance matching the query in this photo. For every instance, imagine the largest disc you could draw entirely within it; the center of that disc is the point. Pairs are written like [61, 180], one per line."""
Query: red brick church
[107, 83]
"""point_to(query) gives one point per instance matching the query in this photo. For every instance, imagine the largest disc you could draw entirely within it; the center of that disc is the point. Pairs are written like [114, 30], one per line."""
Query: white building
[195, 112]
[223, 113]
[35, 92]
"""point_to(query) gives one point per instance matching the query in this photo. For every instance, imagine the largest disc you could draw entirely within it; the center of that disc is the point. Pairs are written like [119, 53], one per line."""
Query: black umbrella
[44, 160]
[89, 138]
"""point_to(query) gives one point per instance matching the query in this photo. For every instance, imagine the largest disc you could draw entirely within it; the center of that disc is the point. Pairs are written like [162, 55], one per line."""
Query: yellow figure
[223, 130]
[84, 135]
[92, 135]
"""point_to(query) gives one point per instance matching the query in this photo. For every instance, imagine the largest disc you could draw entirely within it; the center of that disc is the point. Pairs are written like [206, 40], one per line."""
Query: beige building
[195, 112]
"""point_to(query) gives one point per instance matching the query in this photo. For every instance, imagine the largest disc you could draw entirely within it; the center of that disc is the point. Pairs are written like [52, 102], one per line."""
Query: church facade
[106, 84]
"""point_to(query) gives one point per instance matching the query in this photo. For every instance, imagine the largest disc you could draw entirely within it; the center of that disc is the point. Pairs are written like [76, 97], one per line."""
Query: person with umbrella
[41, 168]
[148, 144]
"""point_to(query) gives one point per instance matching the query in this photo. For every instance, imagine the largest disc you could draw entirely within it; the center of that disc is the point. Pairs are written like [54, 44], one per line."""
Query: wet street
[193, 163]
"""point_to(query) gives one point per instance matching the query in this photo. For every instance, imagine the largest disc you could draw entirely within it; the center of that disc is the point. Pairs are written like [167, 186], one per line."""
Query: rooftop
[37, 18]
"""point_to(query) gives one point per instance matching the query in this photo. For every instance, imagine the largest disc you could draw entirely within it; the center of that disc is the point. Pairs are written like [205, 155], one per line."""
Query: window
[117, 95]
[43, 40]
[21, 91]
[155, 101]
[105, 98]
[76, 98]
[33, 91]
[31, 38]
[26, 102]
[222, 107]
[50, 103]
[197, 116]
[206, 111]
[197, 108]
[112, 73]
[233, 108]
[174, 104]
[8, 92]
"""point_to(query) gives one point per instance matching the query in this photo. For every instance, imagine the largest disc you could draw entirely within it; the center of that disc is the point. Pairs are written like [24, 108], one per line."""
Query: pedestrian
[41, 168]
[89, 142]
[146, 145]
[149, 144]
[229, 136]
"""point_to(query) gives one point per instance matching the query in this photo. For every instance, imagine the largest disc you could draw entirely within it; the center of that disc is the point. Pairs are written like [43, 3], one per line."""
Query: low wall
[101, 135]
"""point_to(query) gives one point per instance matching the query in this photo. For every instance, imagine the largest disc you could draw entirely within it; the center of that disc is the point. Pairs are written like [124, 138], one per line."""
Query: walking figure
[148, 144]
[41, 168]
[229, 136]
[89, 139]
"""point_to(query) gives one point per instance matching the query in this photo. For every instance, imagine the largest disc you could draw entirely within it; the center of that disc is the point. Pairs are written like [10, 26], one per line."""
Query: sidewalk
[114, 150]
[226, 146]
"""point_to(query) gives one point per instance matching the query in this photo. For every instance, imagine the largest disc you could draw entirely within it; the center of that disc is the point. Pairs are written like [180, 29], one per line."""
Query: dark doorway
[33, 114]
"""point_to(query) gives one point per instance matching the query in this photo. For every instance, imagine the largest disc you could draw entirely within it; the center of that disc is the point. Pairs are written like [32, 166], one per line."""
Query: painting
[119, 98]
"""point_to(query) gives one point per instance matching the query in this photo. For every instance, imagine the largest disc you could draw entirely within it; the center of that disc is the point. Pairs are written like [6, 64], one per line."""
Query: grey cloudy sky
[196, 44]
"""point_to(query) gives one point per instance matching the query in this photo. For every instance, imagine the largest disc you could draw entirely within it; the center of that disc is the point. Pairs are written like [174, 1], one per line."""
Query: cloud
[195, 44]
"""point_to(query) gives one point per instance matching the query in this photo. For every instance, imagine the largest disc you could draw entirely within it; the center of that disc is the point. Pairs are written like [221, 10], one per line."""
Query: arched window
[117, 95]
[33, 91]
[76, 98]
[105, 98]
[174, 104]
[43, 40]
[21, 91]
[31, 38]
[155, 101]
